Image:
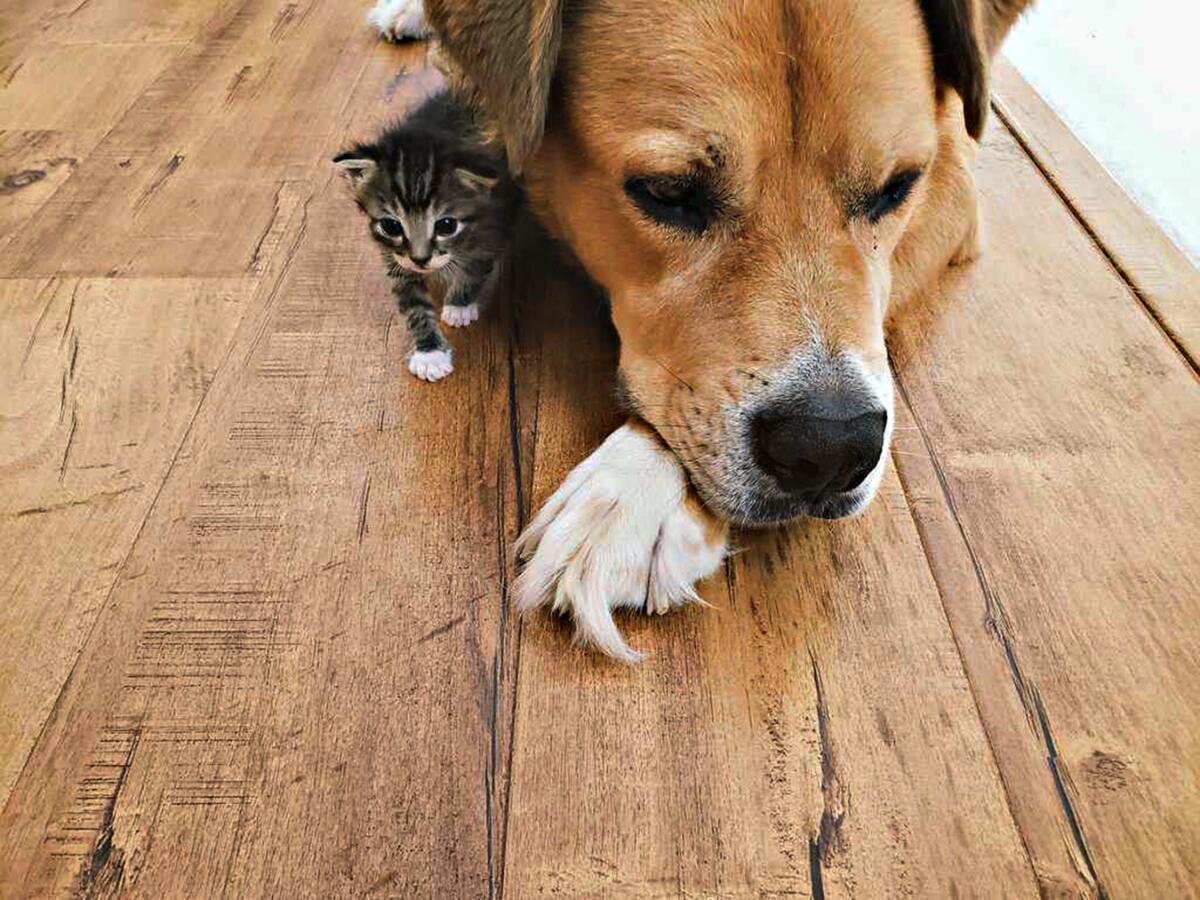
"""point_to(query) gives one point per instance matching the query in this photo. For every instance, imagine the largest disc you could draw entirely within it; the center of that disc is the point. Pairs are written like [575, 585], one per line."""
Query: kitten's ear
[355, 165]
[476, 179]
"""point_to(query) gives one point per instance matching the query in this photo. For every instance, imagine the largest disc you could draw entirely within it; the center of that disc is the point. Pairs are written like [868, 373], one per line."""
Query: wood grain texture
[92, 424]
[1158, 272]
[78, 87]
[1067, 464]
[255, 621]
[295, 624]
[33, 165]
[188, 182]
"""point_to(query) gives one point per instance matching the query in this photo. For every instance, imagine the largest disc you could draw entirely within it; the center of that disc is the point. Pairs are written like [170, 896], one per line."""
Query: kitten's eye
[390, 227]
[891, 197]
[680, 202]
[446, 227]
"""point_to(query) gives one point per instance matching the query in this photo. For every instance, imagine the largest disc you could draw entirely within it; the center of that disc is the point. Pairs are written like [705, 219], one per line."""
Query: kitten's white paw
[460, 316]
[431, 365]
[399, 20]
[620, 531]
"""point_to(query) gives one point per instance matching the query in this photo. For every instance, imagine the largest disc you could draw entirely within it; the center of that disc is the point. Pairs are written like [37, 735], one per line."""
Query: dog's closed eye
[889, 198]
[683, 202]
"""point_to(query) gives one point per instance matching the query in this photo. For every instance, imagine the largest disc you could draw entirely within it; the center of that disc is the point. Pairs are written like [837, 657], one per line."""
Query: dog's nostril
[810, 454]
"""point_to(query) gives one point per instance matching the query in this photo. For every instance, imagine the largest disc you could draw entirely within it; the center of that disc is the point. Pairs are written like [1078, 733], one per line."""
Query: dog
[754, 185]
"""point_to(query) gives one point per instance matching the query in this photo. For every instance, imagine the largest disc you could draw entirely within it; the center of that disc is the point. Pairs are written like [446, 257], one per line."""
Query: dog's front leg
[623, 530]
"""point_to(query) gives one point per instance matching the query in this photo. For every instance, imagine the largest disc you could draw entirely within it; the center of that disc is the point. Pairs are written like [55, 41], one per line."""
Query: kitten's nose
[420, 260]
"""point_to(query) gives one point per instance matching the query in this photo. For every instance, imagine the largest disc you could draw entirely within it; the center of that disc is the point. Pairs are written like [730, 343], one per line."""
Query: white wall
[1125, 76]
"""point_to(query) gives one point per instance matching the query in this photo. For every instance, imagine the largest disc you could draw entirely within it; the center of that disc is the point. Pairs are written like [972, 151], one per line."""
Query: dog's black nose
[817, 453]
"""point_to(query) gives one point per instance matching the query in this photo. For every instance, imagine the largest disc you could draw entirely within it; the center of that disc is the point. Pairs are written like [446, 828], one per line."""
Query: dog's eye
[892, 196]
[679, 202]
[446, 227]
[390, 227]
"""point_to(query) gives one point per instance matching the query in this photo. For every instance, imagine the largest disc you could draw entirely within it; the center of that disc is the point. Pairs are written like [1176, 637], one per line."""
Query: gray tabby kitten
[441, 207]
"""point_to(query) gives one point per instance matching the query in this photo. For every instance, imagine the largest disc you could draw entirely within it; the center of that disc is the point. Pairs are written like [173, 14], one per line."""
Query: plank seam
[1143, 300]
[489, 773]
[496, 882]
[997, 624]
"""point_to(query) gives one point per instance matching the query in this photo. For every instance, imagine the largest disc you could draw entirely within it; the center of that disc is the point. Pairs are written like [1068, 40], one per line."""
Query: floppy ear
[964, 34]
[960, 58]
[356, 165]
[507, 51]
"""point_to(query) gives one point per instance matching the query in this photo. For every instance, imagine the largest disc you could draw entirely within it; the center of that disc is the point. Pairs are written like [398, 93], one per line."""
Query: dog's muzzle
[811, 442]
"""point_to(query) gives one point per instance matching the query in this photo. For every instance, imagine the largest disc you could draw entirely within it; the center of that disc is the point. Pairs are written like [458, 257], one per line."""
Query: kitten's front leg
[431, 357]
[464, 298]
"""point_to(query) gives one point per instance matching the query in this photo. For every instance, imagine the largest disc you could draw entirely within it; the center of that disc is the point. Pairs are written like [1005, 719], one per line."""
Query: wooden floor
[254, 633]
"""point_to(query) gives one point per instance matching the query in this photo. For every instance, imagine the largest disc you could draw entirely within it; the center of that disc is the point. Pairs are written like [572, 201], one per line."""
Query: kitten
[441, 207]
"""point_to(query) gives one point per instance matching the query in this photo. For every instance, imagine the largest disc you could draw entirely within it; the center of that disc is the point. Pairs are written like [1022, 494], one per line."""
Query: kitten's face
[420, 208]
[420, 239]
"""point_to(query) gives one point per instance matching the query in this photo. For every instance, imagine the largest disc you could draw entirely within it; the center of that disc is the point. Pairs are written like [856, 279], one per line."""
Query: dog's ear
[507, 51]
[958, 39]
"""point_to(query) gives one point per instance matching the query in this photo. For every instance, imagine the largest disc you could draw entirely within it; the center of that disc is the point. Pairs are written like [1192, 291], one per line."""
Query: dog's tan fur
[803, 103]
[800, 116]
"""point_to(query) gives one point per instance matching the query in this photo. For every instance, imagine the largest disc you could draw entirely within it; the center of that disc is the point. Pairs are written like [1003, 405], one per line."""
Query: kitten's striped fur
[440, 206]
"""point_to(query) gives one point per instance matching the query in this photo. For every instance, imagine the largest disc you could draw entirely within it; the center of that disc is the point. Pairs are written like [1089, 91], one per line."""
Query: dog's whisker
[668, 370]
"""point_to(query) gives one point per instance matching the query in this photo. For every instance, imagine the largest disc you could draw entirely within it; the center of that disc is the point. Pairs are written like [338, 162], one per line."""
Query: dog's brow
[673, 152]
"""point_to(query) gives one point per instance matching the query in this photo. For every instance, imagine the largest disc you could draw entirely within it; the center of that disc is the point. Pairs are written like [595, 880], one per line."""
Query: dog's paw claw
[460, 316]
[431, 365]
[619, 532]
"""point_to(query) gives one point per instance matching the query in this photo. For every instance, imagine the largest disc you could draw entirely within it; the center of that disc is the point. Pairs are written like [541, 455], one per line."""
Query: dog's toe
[621, 531]
[431, 365]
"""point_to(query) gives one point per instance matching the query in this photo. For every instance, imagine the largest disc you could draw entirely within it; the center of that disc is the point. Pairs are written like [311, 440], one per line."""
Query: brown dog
[752, 183]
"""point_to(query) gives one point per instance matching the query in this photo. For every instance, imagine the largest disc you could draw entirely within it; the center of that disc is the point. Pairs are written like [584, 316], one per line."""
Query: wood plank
[1009, 716]
[103, 381]
[119, 21]
[1159, 273]
[1064, 427]
[24, 21]
[33, 165]
[294, 681]
[188, 182]
[797, 739]
[85, 87]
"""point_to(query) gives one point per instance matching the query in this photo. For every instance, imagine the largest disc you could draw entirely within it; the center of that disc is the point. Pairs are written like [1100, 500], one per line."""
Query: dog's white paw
[399, 20]
[431, 365]
[460, 316]
[620, 531]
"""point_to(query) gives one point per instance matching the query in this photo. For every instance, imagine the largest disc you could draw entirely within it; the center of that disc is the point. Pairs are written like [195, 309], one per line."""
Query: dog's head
[737, 176]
